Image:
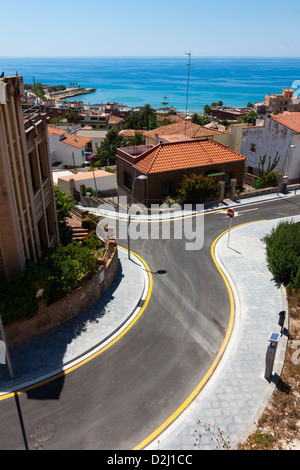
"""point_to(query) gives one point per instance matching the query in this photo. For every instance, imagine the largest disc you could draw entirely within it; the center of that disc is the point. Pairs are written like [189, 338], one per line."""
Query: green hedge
[59, 272]
[283, 253]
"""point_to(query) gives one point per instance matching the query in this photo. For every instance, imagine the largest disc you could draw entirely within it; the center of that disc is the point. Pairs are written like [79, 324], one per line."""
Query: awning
[216, 174]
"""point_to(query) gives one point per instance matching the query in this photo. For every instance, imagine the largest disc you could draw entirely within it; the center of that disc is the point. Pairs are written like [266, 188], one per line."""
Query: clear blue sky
[149, 28]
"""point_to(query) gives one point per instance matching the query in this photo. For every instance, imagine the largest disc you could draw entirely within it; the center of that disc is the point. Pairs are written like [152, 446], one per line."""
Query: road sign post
[230, 214]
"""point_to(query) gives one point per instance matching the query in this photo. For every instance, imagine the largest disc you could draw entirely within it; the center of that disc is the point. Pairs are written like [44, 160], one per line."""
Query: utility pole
[187, 88]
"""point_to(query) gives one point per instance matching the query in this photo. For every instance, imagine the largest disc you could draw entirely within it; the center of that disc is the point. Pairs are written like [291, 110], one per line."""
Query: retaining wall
[49, 316]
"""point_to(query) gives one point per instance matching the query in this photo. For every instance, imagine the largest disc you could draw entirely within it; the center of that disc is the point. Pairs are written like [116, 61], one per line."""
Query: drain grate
[43, 432]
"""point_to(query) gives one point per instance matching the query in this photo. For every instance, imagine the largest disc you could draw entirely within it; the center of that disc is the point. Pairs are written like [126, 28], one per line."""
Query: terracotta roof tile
[54, 130]
[74, 140]
[290, 120]
[185, 155]
[187, 128]
[84, 175]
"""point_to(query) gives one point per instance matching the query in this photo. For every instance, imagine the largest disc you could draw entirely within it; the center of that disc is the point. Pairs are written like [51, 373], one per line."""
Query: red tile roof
[187, 128]
[74, 140]
[185, 155]
[290, 120]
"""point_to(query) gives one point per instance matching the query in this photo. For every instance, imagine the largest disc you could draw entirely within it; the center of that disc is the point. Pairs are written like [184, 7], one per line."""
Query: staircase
[74, 230]
[75, 233]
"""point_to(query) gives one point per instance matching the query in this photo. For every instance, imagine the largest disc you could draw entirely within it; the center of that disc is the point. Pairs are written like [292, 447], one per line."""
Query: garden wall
[70, 306]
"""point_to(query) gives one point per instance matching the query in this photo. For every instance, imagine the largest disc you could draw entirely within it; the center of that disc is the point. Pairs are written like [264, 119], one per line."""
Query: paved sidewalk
[237, 393]
[55, 350]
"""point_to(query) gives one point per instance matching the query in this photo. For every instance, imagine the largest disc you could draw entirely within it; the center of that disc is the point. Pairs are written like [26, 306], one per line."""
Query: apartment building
[286, 101]
[28, 219]
[278, 137]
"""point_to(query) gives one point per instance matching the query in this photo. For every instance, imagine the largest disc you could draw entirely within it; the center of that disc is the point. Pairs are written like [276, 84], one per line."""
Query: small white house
[68, 150]
[280, 136]
[98, 180]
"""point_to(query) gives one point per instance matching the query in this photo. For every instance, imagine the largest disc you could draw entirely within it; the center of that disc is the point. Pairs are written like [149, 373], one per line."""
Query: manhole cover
[43, 432]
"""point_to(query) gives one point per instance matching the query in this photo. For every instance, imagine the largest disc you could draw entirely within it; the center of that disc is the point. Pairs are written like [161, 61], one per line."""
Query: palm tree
[138, 139]
[146, 113]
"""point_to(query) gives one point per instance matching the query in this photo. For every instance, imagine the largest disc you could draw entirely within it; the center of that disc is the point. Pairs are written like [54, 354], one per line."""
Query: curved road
[122, 396]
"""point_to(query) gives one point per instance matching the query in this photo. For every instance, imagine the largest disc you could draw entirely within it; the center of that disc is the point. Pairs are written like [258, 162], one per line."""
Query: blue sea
[135, 81]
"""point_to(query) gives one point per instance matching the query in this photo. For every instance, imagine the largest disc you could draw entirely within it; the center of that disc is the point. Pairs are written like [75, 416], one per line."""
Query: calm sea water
[138, 81]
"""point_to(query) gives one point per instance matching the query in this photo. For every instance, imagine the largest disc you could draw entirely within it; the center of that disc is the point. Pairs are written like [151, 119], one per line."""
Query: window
[253, 148]
[166, 189]
[127, 180]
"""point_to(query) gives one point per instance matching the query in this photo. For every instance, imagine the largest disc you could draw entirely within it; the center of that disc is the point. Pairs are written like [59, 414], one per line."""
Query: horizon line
[147, 56]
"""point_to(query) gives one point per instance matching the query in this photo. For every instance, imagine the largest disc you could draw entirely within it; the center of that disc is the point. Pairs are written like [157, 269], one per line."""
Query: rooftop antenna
[187, 88]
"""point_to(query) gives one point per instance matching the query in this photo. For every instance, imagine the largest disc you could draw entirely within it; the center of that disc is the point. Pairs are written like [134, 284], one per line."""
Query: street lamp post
[141, 177]
[284, 166]
[6, 349]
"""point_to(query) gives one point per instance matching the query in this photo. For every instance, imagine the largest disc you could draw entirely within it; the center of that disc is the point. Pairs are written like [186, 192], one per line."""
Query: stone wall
[70, 306]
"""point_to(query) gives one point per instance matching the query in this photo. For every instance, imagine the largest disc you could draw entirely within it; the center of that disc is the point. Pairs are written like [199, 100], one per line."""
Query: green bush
[88, 224]
[64, 269]
[64, 204]
[89, 190]
[196, 189]
[58, 272]
[18, 297]
[269, 181]
[283, 253]
[92, 241]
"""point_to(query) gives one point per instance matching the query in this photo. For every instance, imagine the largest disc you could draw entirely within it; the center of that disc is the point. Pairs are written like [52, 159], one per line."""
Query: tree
[133, 122]
[147, 116]
[64, 204]
[138, 139]
[207, 109]
[196, 189]
[106, 153]
[73, 115]
[200, 119]
[249, 118]
[250, 105]
[39, 90]
[220, 103]
[214, 105]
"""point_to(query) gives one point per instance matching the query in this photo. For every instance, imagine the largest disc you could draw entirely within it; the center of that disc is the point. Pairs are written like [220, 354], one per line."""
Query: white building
[97, 136]
[98, 180]
[280, 136]
[68, 150]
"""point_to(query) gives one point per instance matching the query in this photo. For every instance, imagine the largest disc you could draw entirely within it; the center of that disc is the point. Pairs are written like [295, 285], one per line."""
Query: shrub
[88, 224]
[92, 241]
[283, 253]
[64, 204]
[18, 297]
[64, 269]
[270, 180]
[197, 189]
[89, 190]
[58, 272]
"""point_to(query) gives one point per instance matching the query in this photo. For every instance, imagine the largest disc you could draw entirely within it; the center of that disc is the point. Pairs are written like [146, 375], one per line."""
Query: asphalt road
[119, 398]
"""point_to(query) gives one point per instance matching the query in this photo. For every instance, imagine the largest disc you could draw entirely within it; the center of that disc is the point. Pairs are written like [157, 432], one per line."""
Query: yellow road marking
[212, 368]
[71, 369]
